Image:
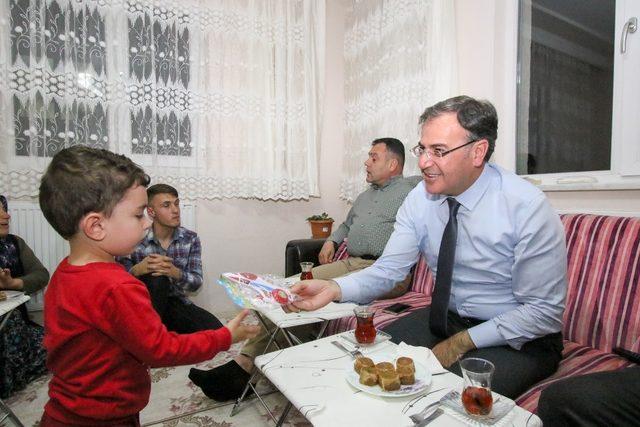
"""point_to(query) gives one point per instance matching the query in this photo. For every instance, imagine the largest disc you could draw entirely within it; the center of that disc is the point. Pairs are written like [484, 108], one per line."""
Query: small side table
[283, 322]
[6, 308]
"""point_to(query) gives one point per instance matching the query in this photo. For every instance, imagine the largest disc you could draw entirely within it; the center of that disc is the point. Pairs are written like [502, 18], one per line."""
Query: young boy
[101, 333]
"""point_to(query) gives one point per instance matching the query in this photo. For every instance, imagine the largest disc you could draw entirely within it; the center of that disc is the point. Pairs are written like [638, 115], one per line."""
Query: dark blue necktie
[442, 291]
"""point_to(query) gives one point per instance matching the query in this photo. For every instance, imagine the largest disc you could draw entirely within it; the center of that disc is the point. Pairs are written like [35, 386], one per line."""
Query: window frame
[625, 153]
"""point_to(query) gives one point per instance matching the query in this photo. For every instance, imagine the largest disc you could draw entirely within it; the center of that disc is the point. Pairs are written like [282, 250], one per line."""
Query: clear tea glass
[306, 270]
[365, 331]
[476, 390]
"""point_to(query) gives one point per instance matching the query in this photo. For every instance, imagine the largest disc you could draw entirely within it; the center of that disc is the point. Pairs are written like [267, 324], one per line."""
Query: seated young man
[367, 228]
[168, 260]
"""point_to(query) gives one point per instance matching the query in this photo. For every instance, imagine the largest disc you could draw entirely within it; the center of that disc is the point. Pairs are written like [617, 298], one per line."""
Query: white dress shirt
[511, 260]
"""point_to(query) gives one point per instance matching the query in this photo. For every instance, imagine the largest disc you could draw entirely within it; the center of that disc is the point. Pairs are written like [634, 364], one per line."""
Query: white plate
[423, 379]
[501, 407]
[13, 294]
[381, 336]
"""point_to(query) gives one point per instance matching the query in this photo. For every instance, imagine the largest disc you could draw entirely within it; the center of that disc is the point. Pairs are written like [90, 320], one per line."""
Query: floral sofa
[603, 298]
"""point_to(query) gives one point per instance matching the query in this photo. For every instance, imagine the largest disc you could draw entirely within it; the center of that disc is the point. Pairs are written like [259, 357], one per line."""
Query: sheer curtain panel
[219, 98]
[400, 57]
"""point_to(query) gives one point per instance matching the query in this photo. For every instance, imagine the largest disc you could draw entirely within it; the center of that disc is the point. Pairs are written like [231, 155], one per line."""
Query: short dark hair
[395, 146]
[80, 180]
[161, 189]
[478, 117]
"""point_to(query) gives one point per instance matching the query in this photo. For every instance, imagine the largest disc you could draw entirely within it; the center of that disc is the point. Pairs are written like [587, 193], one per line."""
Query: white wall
[487, 49]
[250, 235]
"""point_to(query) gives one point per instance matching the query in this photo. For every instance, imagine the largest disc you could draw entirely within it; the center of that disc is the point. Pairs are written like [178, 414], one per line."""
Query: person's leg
[535, 361]
[413, 329]
[158, 287]
[599, 399]
[186, 318]
[353, 264]
[339, 268]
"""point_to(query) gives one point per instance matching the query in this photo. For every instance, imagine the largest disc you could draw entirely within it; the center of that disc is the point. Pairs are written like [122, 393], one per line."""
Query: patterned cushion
[576, 360]
[418, 296]
[603, 299]
[423, 279]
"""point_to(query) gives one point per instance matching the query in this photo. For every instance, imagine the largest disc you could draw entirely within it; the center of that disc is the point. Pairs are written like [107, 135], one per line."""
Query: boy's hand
[240, 332]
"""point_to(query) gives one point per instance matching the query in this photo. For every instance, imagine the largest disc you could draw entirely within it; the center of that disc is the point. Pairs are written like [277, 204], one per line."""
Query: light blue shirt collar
[471, 196]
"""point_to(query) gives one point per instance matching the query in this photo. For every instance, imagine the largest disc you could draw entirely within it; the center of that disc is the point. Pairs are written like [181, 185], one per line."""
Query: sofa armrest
[301, 250]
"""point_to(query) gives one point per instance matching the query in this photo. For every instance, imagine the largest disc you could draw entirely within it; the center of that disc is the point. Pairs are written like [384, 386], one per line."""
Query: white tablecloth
[312, 376]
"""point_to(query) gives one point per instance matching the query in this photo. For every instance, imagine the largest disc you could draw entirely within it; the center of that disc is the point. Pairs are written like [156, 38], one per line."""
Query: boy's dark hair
[161, 189]
[80, 180]
[394, 146]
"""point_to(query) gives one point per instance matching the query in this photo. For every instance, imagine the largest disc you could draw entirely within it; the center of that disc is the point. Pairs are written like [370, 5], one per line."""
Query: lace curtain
[220, 99]
[400, 57]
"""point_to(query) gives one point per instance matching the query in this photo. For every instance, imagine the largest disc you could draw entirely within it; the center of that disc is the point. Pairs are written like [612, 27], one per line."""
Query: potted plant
[320, 225]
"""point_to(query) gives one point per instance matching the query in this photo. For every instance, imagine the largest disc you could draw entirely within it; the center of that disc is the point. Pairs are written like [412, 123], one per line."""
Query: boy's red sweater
[101, 336]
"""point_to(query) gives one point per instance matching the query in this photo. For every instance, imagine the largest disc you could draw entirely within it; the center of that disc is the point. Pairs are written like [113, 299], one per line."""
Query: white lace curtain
[220, 99]
[400, 57]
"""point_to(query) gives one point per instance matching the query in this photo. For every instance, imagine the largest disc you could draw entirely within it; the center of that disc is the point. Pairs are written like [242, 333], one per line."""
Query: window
[576, 99]
[57, 76]
[159, 68]
[64, 95]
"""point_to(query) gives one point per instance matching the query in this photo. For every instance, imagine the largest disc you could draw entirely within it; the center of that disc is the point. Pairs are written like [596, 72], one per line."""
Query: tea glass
[306, 270]
[365, 330]
[476, 390]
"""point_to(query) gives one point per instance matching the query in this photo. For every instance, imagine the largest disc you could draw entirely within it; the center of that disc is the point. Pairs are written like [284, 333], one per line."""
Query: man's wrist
[337, 291]
[462, 342]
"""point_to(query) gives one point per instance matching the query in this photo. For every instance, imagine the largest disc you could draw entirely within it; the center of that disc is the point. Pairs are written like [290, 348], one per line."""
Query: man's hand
[240, 332]
[157, 265]
[327, 252]
[314, 294]
[8, 282]
[449, 351]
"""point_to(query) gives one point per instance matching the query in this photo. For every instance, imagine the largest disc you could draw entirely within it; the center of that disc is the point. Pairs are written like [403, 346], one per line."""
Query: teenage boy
[102, 334]
[168, 261]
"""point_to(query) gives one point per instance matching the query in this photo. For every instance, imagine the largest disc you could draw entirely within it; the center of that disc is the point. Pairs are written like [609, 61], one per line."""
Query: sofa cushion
[603, 298]
[577, 359]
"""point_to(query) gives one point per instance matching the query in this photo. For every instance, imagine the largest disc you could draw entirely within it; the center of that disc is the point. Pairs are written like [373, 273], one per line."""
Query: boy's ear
[151, 212]
[92, 225]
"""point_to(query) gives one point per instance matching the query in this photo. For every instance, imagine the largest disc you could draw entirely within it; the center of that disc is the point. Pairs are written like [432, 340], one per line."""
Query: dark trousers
[516, 370]
[176, 314]
[601, 399]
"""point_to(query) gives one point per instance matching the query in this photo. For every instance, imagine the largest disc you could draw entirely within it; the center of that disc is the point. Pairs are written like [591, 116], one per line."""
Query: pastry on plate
[362, 362]
[405, 363]
[407, 375]
[368, 375]
[385, 366]
[389, 380]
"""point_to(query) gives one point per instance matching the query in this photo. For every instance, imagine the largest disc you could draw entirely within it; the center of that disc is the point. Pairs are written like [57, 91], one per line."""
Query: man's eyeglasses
[436, 153]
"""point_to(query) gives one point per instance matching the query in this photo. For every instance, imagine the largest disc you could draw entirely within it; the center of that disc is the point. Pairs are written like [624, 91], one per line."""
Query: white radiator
[28, 222]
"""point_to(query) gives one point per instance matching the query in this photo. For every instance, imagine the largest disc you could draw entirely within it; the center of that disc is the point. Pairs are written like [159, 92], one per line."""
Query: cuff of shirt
[349, 289]
[486, 335]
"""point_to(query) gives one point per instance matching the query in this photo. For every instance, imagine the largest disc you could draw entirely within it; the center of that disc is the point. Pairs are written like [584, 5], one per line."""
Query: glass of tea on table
[476, 389]
[306, 270]
[365, 331]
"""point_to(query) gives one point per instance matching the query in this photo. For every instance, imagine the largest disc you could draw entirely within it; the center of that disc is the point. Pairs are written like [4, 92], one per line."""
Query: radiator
[28, 222]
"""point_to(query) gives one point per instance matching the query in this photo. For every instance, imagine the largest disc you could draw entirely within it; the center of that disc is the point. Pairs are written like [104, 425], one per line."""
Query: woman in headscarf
[22, 356]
